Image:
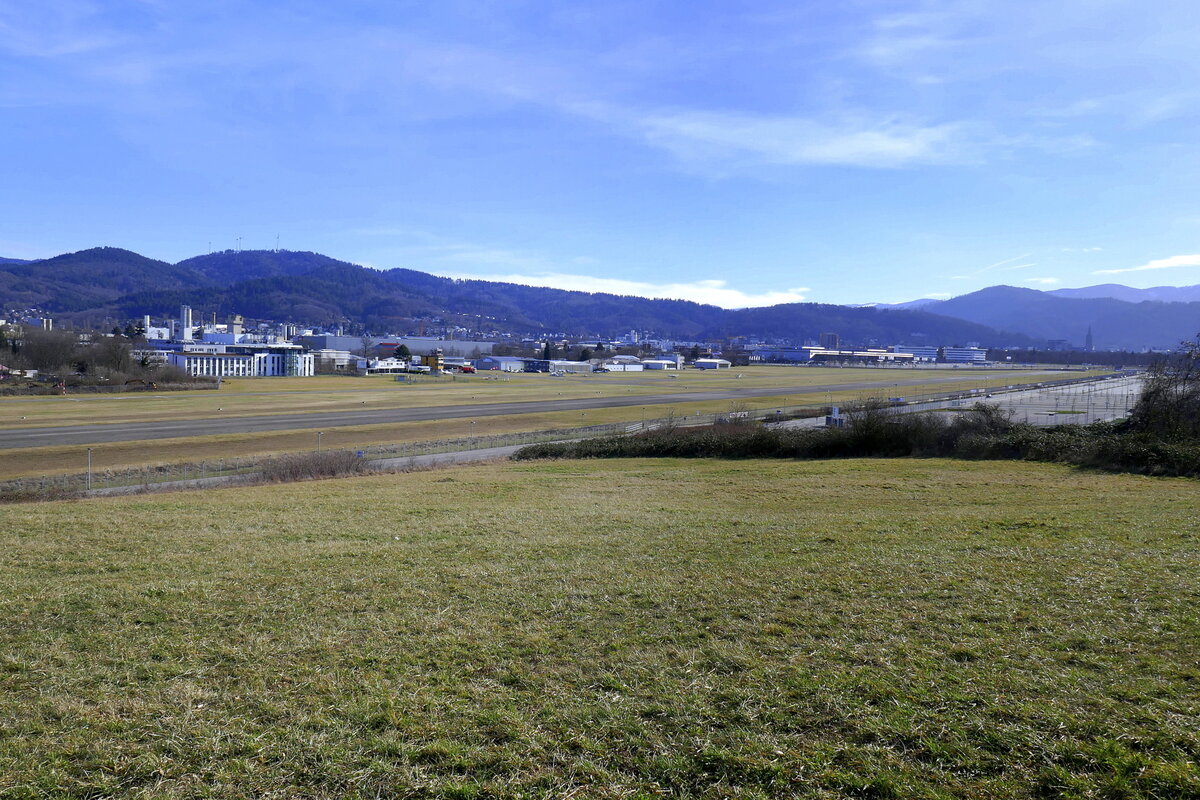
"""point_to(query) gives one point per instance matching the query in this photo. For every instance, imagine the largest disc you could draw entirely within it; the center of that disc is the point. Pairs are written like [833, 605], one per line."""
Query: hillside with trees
[313, 289]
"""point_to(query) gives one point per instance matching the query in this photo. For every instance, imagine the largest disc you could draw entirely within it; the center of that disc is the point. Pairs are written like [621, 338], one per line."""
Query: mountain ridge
[310, 288]
[109, 283]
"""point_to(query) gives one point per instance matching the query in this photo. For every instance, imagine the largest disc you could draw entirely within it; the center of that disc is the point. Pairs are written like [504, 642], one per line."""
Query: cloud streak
[793, 140]
[1000, 265]
[1172, 262]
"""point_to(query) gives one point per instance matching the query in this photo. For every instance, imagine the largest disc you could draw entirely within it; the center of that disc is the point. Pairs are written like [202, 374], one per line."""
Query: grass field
[297, 395]
[918, 628]
[250, 397]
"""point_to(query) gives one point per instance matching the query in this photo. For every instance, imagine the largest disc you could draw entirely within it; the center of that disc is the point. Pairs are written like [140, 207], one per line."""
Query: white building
[381, 366]
[964, 355]
[712, 363]
[268, 364]
[660, 363]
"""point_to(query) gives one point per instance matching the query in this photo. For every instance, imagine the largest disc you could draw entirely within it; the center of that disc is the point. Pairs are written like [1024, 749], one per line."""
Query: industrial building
[417, 345]
[950, 355]
[557, 365]
[501, 363]
[244, 362]
[712, 363]
[810, 354]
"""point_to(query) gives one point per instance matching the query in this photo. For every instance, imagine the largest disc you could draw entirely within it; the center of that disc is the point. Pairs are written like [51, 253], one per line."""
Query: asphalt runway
[174, 429]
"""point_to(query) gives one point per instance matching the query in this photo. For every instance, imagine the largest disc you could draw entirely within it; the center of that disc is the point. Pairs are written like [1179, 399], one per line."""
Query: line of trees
[91, 358]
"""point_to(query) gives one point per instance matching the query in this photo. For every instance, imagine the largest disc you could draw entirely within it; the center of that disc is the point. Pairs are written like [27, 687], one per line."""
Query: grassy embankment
[323, 394]
[610, 629]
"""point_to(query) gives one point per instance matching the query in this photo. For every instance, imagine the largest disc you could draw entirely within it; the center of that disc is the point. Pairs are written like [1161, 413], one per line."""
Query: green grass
[917, 628]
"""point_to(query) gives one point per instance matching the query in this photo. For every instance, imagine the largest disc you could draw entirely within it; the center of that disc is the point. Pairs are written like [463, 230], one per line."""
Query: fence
[223, 468]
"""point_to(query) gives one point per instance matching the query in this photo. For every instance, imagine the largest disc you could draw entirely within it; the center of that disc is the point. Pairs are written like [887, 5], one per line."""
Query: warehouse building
[501, 363]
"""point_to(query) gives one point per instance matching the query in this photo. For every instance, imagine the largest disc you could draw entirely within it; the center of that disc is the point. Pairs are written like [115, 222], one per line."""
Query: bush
[19, 492]
[984, 432]
[313, 466]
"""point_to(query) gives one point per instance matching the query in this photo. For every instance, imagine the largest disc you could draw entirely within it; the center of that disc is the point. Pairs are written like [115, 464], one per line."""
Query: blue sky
[741, 153]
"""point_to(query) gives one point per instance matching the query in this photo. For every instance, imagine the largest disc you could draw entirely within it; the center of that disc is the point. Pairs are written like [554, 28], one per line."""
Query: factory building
[501, 363]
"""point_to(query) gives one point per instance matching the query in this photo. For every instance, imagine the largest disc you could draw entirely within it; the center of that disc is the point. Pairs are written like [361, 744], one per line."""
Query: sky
[735, 153]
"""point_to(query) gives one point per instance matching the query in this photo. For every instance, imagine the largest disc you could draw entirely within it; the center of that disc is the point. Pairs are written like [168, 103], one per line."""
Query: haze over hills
[1115, 291]
[308, 288]
[1116, 324]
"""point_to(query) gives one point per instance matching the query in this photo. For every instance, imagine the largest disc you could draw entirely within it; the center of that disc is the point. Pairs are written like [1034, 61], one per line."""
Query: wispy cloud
[999, 265]
[1081, 249]
[1043, 281]
[1158, 263]
[795, 140]
[712, 292]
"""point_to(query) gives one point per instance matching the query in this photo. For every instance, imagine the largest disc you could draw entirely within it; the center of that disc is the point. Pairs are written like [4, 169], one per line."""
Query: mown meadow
[611, 628]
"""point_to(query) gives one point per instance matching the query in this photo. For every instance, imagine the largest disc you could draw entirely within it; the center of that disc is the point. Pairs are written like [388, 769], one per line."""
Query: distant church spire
[1087, 342]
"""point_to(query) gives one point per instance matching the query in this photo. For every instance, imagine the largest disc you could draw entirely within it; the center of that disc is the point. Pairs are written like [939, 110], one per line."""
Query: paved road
[171, 429]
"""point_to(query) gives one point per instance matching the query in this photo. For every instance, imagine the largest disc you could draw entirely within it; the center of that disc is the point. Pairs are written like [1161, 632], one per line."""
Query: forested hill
[310, 288]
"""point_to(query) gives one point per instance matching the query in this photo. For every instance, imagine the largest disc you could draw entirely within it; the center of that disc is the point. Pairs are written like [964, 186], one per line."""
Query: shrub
[984, 432]
[312, 466]
[1169, 406]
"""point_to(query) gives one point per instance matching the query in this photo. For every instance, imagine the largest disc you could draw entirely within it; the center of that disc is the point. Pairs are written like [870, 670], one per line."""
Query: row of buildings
[896, 354]
[229, 350]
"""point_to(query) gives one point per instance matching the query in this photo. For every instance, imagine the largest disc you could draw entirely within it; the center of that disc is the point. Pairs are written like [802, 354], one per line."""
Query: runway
[173, 429]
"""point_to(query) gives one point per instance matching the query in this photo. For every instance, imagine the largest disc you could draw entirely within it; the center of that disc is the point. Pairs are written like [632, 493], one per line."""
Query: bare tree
[1169, 407]
[48, 350]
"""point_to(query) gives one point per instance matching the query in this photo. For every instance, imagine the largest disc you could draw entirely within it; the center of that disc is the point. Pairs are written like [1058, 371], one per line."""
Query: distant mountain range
[107, 284]
[1115, 324]
[1115, 291]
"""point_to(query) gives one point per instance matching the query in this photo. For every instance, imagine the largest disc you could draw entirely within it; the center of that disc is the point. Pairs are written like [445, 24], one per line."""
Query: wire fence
[224, 468]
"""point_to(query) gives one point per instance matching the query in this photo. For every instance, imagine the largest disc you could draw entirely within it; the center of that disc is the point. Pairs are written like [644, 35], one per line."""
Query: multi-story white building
[245, 363]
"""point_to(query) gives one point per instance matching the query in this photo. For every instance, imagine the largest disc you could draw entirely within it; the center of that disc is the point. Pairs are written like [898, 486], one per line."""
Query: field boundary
[202, 474]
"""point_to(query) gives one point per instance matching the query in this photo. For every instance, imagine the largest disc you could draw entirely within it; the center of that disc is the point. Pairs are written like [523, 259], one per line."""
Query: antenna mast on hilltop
[277, 243]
